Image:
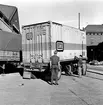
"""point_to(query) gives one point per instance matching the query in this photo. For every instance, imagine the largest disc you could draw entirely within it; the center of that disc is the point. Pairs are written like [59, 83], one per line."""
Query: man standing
[54, 66]
[80, 66]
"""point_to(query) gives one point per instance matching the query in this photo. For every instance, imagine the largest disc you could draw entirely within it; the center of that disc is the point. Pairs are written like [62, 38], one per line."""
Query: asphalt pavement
[88, 90]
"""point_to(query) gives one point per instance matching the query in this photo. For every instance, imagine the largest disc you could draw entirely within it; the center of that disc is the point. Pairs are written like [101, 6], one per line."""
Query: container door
[46, 43]
[42, 43]
[26, 46]
[36, 43]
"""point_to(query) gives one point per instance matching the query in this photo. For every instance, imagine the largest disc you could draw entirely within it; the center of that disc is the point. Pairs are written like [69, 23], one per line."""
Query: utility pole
[79, 21]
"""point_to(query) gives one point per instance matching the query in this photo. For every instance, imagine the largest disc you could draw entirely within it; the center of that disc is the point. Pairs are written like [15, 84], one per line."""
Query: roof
[48, 22]
[94, 28]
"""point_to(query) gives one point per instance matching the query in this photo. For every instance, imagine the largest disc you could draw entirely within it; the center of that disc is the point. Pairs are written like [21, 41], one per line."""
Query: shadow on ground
[45, 75]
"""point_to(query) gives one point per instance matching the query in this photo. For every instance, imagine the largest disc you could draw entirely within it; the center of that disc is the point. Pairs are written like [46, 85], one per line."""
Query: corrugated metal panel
[37, 48]
[71, 35]
[72, 38]
[43, 44]
[56, 32]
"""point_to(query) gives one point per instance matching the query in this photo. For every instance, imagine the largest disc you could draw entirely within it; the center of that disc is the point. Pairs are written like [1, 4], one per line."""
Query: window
[90, 33]
[93, 33]
[60, 46]
[4, 26]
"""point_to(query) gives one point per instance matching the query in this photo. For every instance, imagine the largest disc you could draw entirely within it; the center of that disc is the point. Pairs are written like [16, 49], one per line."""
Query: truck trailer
[40, 40]
[10, 39]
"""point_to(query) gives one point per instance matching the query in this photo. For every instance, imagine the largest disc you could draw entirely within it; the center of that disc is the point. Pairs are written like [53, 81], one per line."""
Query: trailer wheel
[84, 68]
[59, 73]
[68, 70]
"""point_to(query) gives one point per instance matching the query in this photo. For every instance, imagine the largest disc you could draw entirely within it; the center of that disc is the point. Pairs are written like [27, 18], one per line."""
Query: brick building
[94, 35]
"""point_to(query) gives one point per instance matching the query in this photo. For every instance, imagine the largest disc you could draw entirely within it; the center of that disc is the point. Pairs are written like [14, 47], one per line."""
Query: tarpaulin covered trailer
[10, 38]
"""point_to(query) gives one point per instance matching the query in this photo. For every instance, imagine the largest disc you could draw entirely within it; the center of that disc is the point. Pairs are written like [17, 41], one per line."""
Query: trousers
[80, 71]
[54, 73]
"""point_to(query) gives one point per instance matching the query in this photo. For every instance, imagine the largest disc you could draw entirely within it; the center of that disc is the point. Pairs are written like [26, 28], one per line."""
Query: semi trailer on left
[10, 39]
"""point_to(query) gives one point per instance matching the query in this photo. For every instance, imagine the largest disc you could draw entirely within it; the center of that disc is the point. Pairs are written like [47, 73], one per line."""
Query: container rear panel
[36, 43]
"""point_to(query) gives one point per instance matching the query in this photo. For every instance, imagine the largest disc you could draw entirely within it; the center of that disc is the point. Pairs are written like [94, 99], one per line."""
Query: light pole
[79, 21]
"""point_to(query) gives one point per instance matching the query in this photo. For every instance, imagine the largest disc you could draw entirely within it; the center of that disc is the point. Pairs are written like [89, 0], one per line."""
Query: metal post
[41, 46]
[50, 34]
[82, 44]
[82, 47]
[29, 50]
[79, 21]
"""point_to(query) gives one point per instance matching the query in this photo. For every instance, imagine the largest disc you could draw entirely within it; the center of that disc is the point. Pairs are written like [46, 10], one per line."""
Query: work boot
[56, 84]
[51, 83]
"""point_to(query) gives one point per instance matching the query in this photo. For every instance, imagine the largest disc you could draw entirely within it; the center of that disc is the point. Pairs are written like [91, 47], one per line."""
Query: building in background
[94, 34]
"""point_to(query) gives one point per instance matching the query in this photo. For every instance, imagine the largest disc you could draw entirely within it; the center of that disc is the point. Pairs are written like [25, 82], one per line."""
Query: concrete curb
[9, 75]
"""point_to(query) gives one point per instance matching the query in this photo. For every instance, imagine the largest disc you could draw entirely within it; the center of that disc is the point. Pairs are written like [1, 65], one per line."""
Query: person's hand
[50, 68]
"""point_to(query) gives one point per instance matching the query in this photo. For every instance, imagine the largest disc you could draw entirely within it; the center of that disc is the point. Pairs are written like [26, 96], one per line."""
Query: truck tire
[59, 73]
[84, 68]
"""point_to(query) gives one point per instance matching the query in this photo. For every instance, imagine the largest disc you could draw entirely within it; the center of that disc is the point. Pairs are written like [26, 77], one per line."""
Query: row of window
[94, 33]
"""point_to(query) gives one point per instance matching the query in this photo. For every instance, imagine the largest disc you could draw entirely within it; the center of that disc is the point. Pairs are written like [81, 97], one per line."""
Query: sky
[61, 11]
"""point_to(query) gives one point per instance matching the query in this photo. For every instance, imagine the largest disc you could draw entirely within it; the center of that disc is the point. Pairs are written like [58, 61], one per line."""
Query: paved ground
[95, 68]
[71, 90]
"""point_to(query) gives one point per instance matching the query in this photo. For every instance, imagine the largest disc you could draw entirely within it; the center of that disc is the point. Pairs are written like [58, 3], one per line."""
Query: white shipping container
[39, 41]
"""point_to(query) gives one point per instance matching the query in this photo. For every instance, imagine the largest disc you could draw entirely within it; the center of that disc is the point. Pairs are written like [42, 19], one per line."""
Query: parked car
[94, 62]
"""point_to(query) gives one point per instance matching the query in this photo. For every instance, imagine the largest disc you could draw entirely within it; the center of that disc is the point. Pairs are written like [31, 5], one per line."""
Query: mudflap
[26, 75]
